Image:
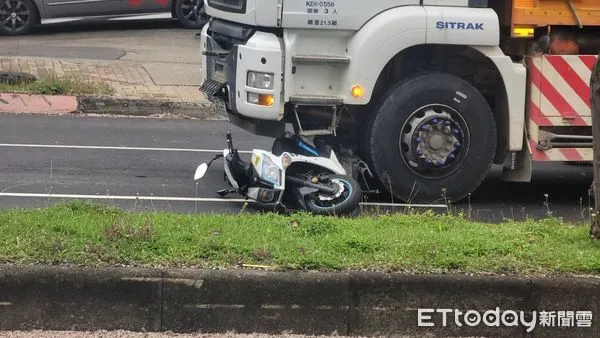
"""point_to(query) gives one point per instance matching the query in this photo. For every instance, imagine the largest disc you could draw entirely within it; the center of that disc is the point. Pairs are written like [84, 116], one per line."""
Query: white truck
[425, 94]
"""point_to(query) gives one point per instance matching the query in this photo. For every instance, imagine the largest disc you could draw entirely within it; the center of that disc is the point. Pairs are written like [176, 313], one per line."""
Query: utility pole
[595, 103]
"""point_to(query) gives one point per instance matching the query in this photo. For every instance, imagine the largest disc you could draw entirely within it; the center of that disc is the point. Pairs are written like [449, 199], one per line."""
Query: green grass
[59, 87]
[91, 235]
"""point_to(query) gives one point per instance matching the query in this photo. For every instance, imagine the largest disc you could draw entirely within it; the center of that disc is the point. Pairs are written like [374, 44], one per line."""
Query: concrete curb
[38, 104]
[313, 303]
[69, 105]
[135, 107]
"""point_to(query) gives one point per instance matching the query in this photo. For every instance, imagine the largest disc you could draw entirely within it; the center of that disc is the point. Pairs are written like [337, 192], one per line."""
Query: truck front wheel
[433, 136]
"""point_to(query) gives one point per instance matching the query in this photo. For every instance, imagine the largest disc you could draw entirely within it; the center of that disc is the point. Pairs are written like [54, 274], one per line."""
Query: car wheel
[190, 13]
[17, 17]
[433, 138]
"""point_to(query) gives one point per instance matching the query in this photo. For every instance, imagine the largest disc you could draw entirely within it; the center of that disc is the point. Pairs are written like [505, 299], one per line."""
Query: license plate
[221, 109]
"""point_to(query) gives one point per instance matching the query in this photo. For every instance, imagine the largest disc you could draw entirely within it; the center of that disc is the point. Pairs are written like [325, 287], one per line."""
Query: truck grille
[236, 6]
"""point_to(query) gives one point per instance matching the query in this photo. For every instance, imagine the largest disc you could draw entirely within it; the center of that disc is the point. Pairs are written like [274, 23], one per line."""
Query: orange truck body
[540, 13]
[558, 84]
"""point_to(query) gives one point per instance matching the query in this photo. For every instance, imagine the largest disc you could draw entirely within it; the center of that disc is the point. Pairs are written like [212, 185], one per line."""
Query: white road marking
[188, 199]
[120, 197]
[402, 205]
[66, 146]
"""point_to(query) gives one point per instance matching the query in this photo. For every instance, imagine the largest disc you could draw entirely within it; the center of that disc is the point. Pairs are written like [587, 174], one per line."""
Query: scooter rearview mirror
[200, 171]
[203, 168]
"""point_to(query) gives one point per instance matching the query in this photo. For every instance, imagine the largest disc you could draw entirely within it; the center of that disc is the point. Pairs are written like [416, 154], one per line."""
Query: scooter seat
[294, 144]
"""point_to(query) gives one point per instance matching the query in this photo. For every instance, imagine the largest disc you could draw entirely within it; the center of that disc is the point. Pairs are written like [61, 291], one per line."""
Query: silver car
[18, 17]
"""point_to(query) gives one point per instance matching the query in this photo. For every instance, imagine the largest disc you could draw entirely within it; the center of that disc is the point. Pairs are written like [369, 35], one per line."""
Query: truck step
[338, 59]
[318, 100]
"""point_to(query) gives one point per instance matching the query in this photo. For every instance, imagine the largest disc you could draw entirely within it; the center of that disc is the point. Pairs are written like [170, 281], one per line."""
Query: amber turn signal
[266, 100]
[261, 99]
[357, 91]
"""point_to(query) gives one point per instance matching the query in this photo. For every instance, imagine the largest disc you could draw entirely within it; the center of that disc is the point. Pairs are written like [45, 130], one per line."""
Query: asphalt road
[153, 41]
[64, 155]
[158, 41]
[161, 47]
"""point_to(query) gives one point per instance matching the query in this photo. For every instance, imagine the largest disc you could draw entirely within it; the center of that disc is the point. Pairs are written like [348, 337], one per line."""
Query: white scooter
[289, 181]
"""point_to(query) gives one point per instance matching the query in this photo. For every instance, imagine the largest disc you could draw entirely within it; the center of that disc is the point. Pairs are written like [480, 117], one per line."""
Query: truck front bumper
[243, 77]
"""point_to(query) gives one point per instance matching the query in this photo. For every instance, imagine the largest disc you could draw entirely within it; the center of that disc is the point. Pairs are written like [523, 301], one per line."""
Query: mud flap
[518, 167]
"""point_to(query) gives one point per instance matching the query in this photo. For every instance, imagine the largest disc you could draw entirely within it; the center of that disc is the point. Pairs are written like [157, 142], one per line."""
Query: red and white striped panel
[556, 154]
[560, 96]
[560, 90]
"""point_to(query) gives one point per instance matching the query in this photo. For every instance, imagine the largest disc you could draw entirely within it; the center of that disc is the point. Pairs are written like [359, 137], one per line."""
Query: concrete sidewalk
[139, 87]
[131, 80]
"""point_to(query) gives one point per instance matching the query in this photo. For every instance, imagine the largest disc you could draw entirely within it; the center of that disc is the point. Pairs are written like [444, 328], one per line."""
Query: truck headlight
[270, 171]
[260, 80]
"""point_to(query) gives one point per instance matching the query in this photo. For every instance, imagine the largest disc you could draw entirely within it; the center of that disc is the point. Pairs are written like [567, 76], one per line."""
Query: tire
[432, 113]
[190, 13]
[25, 17]
[347, 206]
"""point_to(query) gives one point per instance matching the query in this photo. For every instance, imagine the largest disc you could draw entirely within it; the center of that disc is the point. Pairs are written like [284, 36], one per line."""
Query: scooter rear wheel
[345, 202]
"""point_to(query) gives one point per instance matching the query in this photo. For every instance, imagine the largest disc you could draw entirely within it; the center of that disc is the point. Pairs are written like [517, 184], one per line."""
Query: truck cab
[428, 94]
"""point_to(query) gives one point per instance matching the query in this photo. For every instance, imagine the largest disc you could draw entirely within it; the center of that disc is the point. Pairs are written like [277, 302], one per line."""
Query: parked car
[18, 17]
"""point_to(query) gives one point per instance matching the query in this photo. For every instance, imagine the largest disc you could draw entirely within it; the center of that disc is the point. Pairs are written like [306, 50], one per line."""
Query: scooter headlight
[270, 171]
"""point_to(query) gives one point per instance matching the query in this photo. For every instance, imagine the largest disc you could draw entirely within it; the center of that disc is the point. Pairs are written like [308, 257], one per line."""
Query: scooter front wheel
[344, 202]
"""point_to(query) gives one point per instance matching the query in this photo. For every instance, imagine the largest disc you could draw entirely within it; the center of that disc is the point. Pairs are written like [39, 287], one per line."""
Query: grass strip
[93, 235]
[57, 86]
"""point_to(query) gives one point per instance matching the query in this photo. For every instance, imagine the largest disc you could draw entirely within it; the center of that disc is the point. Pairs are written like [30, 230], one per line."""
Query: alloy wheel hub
[433, 140]
[14, 15]
[192, 10]
[435, 143]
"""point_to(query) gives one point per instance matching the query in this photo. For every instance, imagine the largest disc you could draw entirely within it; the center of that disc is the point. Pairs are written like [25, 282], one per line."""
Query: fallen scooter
[289, 181]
